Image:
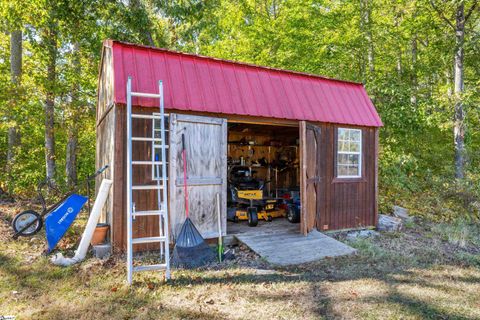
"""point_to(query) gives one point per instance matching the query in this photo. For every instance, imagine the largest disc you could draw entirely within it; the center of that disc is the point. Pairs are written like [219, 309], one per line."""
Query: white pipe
[81, 252]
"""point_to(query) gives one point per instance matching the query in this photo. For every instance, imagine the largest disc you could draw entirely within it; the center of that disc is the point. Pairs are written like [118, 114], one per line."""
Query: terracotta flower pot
[100, 234]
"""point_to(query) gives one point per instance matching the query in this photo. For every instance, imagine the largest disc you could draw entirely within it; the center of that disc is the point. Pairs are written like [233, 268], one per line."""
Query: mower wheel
[293, 216]
[269, 218]
[24, 218]
[252, 217]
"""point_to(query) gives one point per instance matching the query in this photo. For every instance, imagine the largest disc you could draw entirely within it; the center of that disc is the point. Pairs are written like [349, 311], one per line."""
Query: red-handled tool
[184, 159]
[190, 250]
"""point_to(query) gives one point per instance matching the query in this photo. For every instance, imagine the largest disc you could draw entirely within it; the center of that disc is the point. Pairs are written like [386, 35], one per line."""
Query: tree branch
[470, 11]
[441, 15]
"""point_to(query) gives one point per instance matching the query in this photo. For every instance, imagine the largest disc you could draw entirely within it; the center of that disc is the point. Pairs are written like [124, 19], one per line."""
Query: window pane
[354, 147]
[342, 134]
[353, 170]
[342, 146]
[157, 123]
[353, 159]
[342, 159]
[342, 170]
[355, 135]
[348, 159]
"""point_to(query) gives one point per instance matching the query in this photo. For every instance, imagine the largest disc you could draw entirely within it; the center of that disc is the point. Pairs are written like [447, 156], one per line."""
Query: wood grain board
[347, 203]
[105, 127]
[206, 152]
[280, 243]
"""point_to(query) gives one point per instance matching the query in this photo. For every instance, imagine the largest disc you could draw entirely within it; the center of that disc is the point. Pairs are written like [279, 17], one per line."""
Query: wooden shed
[233, 113]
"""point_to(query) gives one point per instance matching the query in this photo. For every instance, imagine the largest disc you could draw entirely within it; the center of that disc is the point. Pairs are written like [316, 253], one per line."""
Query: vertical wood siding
[341, 203]
[105, 84]
[105, 128]
[105, 156]
[147, 226]
[347, 203]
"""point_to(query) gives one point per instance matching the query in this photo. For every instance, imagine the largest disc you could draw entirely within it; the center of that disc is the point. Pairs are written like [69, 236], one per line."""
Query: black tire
[235, 219]
[269, 218]
[252, 217]
[24, 218]
[293, 216]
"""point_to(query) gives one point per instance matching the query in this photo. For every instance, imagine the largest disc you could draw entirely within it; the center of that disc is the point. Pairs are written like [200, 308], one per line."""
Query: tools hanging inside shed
[263, 166]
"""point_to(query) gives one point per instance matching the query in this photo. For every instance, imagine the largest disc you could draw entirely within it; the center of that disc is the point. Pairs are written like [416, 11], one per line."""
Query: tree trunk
[16, 56]
[459, 115]
[366, 26]
[73, 113]
[399, 46]
[414, 80]
[15, 75]
[50, 41]
[71, 158]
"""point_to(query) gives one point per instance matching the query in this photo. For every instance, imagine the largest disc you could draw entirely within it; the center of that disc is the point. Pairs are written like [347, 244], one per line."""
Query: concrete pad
[286, 246]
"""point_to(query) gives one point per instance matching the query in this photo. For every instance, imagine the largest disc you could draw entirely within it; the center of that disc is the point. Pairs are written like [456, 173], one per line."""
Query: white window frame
[359, 153]
[154, 145]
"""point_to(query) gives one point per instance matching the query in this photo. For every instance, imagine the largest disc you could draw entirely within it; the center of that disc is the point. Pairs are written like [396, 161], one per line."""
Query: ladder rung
[145, 116]
[145, 95]
[147, 187]
[146, 162]
[145, 139]
[148, 240]
[148, 213]
[154, 139]
[150, 267]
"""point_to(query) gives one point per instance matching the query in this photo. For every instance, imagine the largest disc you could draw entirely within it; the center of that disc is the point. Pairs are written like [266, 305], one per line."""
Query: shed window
[349, 153]
[156, 146]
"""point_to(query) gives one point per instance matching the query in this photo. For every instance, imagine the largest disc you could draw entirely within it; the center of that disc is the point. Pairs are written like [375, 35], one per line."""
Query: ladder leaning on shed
[161, 176]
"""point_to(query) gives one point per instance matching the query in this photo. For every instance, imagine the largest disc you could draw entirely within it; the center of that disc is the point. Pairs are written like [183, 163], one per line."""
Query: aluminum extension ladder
[160, 176]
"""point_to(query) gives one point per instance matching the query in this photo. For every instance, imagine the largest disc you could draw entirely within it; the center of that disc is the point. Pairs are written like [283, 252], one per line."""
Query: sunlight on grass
[458, 233]
[417, 274]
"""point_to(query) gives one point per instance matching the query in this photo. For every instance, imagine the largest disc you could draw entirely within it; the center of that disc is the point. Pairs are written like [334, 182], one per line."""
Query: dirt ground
[427, 271]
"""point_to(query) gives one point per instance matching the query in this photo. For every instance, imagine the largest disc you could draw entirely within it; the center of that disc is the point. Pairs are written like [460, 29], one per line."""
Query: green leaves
[408, 44]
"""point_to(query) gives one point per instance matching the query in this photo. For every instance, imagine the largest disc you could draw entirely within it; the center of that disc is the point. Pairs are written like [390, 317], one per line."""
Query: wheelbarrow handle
[99, 171]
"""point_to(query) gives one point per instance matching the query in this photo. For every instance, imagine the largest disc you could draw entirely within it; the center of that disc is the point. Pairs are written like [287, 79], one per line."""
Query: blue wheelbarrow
[58, 217]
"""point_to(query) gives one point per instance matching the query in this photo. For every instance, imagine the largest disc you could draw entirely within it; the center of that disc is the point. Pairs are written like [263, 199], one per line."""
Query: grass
[418, 274]
[458, 233]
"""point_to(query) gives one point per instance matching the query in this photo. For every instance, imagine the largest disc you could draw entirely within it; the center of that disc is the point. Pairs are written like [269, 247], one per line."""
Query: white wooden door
[206, 153]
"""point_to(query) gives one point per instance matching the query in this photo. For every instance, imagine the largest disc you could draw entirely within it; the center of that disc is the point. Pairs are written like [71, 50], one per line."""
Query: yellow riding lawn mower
[246, 199]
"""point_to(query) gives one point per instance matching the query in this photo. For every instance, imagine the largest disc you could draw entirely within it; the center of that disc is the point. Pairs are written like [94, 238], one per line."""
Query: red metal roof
[198, 83]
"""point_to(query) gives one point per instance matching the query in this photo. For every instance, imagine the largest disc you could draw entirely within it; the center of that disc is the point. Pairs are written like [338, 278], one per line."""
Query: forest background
[419, 61]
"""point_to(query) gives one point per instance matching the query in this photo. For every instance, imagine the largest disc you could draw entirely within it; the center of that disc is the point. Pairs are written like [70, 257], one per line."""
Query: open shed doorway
[263, 173]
